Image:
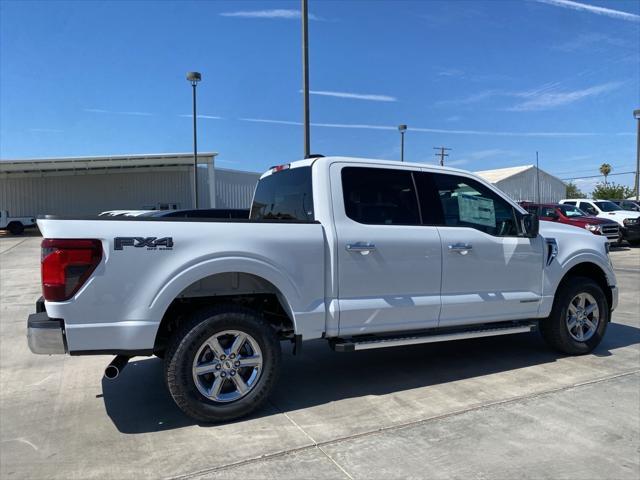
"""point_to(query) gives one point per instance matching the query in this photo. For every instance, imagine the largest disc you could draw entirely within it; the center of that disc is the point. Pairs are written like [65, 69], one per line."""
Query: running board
[351, 345]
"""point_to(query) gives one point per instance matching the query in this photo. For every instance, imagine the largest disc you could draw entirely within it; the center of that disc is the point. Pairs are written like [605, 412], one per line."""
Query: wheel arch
[589, 270]
[251, 283]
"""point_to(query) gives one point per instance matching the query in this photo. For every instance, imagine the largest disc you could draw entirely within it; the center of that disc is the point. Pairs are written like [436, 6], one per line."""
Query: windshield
[284, 195]
[607, 206]
[570, 211]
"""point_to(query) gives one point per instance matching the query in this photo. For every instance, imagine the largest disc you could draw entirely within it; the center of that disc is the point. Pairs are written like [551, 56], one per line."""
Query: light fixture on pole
[194, 78]
[402, 129]
[636, 115]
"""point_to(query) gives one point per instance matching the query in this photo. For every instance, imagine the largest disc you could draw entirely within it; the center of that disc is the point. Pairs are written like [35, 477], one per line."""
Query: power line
[442, 154]
[596, 176]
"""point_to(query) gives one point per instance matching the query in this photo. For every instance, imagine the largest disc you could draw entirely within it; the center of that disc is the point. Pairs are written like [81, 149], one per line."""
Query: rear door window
[380, 196]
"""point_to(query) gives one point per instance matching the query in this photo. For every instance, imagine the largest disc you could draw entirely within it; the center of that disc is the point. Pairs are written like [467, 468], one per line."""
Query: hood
[620, 214]
[590, 219]
[554, 229]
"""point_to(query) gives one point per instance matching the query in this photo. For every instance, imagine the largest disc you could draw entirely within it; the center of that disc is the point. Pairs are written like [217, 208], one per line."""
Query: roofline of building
[108, 157]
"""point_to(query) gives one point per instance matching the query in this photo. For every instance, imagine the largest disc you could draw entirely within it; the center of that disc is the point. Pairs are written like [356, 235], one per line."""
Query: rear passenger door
[389, 264]
[490, 271]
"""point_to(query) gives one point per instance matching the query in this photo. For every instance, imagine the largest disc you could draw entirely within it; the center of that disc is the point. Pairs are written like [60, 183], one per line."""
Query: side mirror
[554, 216]
[530, 225]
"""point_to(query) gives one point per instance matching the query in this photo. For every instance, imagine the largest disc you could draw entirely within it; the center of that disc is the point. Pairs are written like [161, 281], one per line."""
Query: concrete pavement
[486, 408]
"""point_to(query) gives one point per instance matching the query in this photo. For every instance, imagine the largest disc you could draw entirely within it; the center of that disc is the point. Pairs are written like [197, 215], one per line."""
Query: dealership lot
[498, 408]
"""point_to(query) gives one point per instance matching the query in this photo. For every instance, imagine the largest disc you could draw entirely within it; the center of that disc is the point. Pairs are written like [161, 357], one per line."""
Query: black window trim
[439, 214]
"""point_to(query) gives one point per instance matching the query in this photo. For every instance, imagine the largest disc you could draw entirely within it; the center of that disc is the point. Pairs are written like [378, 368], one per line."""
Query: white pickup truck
[15, 225]
[363, 253]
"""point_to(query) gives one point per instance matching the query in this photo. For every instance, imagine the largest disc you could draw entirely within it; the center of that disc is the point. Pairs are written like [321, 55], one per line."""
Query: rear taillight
[66, 265]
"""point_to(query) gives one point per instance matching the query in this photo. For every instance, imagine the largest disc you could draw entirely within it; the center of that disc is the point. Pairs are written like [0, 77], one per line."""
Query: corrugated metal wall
[90, 193]
[522, 187]
[234, 189]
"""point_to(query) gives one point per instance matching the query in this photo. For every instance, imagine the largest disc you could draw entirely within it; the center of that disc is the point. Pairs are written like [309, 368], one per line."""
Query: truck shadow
[138, 401]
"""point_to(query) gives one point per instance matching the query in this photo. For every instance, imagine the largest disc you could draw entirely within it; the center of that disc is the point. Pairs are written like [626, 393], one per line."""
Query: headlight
[592, 228]
[630, 221]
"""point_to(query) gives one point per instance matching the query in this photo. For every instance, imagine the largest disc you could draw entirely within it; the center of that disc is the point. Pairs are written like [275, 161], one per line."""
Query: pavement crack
[391, 428]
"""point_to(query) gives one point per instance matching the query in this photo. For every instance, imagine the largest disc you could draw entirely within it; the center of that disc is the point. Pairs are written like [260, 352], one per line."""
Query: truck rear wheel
[222, 364]
[16, 228]
[578, 319]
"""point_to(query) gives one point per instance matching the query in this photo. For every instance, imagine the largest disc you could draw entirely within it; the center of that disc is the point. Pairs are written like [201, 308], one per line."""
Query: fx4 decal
[150, 243]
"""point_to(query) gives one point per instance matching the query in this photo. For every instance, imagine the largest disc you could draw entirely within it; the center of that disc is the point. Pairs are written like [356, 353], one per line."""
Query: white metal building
[520, 183]
[90, 185]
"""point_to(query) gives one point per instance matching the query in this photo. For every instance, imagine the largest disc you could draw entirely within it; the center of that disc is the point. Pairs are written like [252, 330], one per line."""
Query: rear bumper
[46, 336]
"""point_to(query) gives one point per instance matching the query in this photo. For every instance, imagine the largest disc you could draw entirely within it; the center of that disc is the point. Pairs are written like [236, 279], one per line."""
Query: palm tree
[605, 169]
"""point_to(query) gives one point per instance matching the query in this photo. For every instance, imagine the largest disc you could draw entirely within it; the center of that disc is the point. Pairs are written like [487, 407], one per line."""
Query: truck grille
[610, 231]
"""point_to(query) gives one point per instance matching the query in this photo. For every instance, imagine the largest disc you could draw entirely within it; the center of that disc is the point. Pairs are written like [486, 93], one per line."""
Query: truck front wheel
[579, 317]
[222, 364]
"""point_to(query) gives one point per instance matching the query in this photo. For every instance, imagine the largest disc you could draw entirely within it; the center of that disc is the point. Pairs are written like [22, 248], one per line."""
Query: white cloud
[199, 115]
[279, 13]
[46, 130]
[355, 96]
[111, 112]
[607, 12]
[424, 130]
[592, 40]
[544, 99]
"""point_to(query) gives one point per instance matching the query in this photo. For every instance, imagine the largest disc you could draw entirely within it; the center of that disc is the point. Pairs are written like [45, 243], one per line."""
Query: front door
[490, 272]
[389, 264]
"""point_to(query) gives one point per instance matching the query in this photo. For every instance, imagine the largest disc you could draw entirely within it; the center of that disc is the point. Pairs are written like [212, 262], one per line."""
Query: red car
[570, 215]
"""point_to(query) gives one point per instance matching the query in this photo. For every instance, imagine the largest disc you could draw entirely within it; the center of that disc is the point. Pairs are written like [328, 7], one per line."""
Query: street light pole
[402, 129]
[636, 115]
[194, 78]
[305, 77]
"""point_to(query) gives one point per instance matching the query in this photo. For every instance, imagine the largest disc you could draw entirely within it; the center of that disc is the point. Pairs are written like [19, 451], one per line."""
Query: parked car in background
[15, 225]
[570, 215]
[631, 205]
[629, 221]
[201, 213]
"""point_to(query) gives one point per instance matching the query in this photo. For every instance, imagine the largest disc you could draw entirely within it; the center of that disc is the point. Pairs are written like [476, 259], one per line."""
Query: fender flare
[289, 292]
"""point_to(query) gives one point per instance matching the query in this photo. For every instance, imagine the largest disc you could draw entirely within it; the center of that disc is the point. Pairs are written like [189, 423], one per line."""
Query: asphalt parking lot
[505, 407]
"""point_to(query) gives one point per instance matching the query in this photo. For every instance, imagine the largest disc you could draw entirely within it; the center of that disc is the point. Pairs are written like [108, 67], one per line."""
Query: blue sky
[493, 80]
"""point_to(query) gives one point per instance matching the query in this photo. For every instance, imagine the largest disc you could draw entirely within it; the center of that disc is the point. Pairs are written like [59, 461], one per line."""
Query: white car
[362, 253]
[629, 221]
[15, 225]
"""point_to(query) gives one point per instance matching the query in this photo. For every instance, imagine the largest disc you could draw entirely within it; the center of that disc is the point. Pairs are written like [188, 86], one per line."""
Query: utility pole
[537, 177]
[442, 154]
[305, 77]
[636, 115]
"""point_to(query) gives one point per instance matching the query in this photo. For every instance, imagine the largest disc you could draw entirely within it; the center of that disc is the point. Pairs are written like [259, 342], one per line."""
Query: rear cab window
[284, 195]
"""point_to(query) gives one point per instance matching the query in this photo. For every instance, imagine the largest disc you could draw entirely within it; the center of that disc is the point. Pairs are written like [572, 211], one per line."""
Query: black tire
[183, 347]
[634, 243]
[16, 228]
[554, 329]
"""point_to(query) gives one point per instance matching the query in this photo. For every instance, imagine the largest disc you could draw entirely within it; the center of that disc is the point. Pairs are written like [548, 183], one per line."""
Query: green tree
[605, 169]
[611, 191]
[573, 191]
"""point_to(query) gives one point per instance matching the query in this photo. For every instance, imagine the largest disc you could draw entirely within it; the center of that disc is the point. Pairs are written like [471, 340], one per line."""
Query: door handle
[363, 247]
[461, 248]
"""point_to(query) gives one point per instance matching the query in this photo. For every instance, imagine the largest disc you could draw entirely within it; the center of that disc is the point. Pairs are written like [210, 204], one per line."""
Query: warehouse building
[90, 185]
[521, 183]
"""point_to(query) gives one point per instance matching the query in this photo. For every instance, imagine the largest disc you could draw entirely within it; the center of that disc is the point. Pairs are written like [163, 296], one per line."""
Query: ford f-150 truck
[363, 253]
